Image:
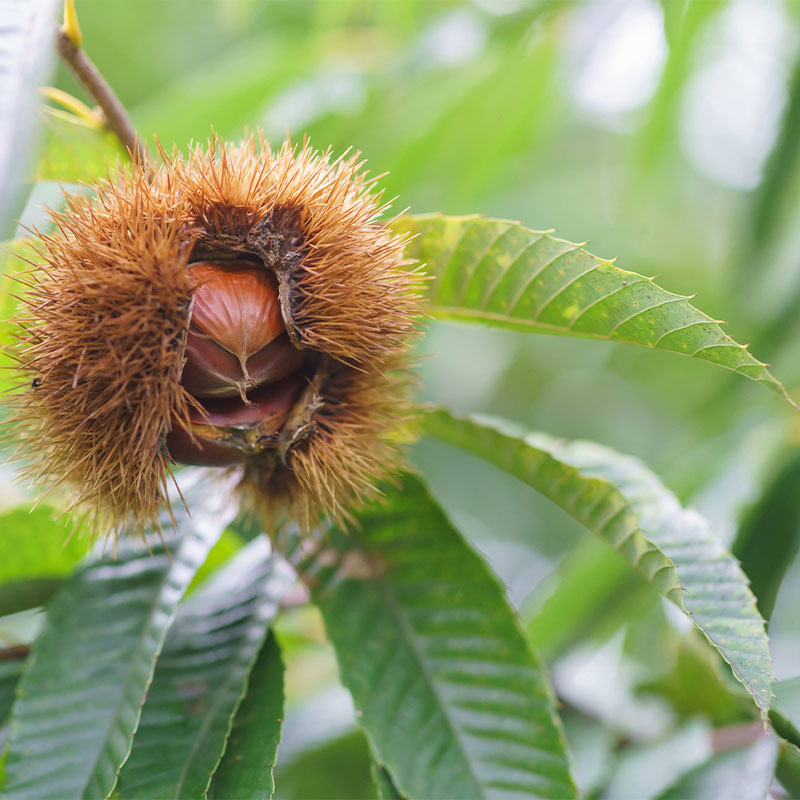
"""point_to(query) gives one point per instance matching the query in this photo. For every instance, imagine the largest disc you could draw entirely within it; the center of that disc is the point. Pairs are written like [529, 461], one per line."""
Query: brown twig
[15, 652]
[116, 118]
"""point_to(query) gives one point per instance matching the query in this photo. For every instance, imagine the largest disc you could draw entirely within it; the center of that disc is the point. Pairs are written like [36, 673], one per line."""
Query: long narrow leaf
[498, 272]
[80, 698]
[452, 699]
[617, 498]
[245, 771]
[201, 676]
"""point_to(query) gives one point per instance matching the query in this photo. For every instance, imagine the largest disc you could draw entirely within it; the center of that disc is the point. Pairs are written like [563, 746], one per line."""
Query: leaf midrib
[411, 636]
[123, 686]
[262, 601]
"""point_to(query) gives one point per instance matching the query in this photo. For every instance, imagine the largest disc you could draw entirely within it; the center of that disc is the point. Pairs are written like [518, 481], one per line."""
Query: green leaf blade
[618, 499]
[73, 151]
[500, 273]
[768, 538]
[10, 673]
[201, 676]
[245, 771]
[80, 697]
[452, 699]
[39, 545]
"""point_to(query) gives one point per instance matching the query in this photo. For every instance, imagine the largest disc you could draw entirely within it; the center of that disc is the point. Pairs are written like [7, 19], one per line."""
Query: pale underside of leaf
[26, 54]
[500, 273]
[453, 702]
[621, 501]
[79, 701]
[746, 774]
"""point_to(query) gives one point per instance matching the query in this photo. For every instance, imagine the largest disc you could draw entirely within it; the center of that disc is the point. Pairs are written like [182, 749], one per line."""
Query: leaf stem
[116, 117]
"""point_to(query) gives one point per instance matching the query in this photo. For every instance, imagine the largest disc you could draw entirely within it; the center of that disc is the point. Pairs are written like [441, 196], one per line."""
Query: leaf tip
[71, 28]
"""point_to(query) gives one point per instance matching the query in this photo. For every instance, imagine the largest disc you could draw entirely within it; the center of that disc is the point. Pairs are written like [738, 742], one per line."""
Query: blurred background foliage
[667, 133]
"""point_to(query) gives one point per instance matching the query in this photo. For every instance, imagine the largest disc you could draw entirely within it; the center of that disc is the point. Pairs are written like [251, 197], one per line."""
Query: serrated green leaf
[500, 273]
[80, 697]
[26, 54]
[744, 774]
[201, 676]
[451, 697]
[621, 501]
[245, 771]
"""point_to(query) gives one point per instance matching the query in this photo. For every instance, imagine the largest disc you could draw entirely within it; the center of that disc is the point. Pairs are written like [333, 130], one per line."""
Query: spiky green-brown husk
[103, 334]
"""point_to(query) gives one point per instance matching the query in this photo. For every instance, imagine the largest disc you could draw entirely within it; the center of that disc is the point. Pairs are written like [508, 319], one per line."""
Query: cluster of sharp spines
[107, 310]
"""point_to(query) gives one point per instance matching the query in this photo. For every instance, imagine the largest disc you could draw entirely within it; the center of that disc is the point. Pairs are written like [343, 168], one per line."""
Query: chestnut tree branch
[116, 118]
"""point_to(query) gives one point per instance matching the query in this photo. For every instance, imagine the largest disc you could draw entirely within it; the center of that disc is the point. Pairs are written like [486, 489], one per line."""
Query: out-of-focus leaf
[10, 672]
[695, 684]
[742, 774]
[338, 769]
[589, 584]
[494, 115]
[453, 701]
[500, 273]
[226, 547]
[229, 92]
[39, 551]
[683, 21]
[44, 195]
[201, 676]
[36, 545]
[74, 151]
[592, 745]
[18, 596]
[245, 771]
[788, 768]
[80, 698]
[779, 171]
[12, 255]
[621, 501]
[785, 712]
[644, 769]
[769, 536]
[26, 53]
